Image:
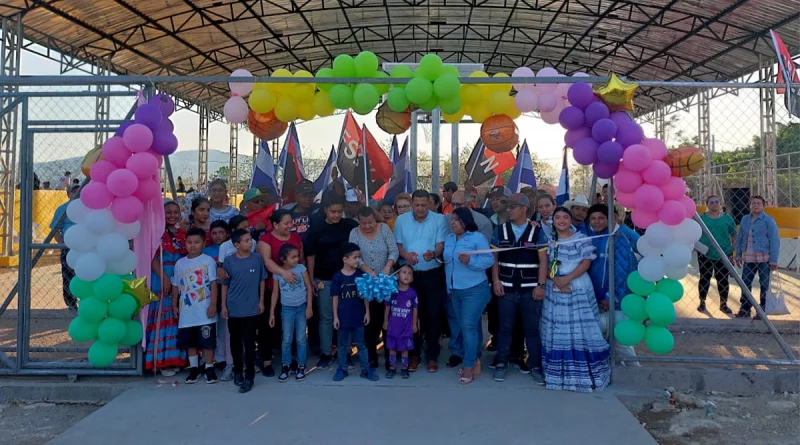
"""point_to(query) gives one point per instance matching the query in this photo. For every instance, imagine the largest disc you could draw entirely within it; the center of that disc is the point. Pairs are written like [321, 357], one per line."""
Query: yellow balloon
[281, 87]
[286, 109]
[453, 118]
[262, 101]
[305, 111]
[478, 74]
[470, 94]
[499, 102]
[480, 114]
[303, 92]
[260, 86]
[305, 74]
[513, 112]
[322, 105]
[505, 88]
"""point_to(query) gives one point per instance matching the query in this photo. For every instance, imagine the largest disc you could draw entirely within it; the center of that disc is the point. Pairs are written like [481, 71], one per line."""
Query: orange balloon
[391, 121]
[499, 133]
[265, 126]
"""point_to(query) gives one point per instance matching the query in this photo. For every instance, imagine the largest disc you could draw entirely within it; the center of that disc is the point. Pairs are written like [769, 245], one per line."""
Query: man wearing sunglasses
[723, 229]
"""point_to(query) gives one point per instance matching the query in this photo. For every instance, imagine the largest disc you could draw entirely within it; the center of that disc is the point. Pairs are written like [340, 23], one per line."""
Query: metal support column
[704, 139]
[233, 163]
[102, 110]
[454, 165]
[436, 124]
[10, 52]
[412, 158]
[202, 166]
[255, 149]
[768, 159]
[660, 127]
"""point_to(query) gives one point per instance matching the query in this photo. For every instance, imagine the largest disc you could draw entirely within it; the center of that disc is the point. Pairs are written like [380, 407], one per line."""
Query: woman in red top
[269, 245]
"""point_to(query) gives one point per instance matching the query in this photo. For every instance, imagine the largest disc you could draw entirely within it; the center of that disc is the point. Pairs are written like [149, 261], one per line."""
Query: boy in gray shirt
[242, 302]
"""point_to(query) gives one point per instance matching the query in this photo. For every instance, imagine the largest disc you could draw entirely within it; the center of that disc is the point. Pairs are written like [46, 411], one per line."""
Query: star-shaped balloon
[617, 94]
[137, 288]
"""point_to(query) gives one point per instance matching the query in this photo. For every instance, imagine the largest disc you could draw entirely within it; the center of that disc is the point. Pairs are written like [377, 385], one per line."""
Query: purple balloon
[148, 115]
[571, 118]
[164, 103]
[604, 130]
[585, 151]
[594, 112]
[164, 143]
[572, 137]
[580, 95]
[165, 125]
[629, 134]
[605, 171]
[620, 118]
[121, 130]
[609, 152]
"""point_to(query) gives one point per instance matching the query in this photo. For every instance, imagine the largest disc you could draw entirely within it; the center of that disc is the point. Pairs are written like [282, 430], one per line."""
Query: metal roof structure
[670, 40]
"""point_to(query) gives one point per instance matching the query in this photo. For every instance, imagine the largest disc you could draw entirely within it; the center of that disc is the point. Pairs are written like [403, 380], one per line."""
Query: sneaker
[194, 374]
[350, 364]
[284, 375]
[268, 371]
[220, 366]
[169, 372]
[370, 375]
[522, 366]
[227, 374]
[404, 373]
[413, 364]
[432, 366]
[238, 379]
[453, 361]
[340, 375]
[499, 373]
[324, 361]
[211, 375]
[702, 307]
[493, 364]
[742, 314]
[391, 373]
[538, 377]
[300, 375]
[246, 386]
[373, 364]
[725, 309]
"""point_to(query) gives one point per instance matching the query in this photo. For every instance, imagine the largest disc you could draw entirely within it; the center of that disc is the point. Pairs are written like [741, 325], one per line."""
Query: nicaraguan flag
[264, 170]
[562, 195]
[401, 177]
[325, 177]
[523, 171]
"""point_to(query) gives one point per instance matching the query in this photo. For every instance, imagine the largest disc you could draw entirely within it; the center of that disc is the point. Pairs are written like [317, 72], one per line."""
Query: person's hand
[176, 311]
[773, 267]
[412, 258]
[385, 325]
[221, 274]
[428, 255]
[166, 286]
[260, 307]
[289, 276]
[309, 313]
[336, 323]
[415, 328]
[538, 293]
[497, 287]
[366, 319]
[272, 320]
[212, 311]
[320, 285]
[604, 306]
[534, 224]
[360, 196]
[371, 272]
[225, 312]
[464, 258]
[561, 282]
[387, 270]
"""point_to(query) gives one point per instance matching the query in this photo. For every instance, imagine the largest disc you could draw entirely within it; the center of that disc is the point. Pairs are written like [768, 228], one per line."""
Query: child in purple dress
[400, 322]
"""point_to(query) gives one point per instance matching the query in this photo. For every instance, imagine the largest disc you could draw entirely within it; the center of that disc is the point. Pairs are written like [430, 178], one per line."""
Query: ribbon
[380, 288]
[538, 246]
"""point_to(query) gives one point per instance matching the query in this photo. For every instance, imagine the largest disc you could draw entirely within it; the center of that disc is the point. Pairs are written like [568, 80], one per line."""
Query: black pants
[66, 276]
[517, 335]
[268, 338]
[243, 342]
[513, 307]
[372, 332]
[717, 269]
[430, 288]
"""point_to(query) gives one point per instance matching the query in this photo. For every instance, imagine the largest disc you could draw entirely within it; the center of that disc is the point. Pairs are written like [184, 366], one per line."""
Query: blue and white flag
[401, 177]
[523, 171]
[264, 170]
[325, 179]
[562, 195]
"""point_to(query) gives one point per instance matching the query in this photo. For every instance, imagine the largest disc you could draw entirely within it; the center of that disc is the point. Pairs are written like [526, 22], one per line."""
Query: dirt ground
[38, 423]
[715, 418]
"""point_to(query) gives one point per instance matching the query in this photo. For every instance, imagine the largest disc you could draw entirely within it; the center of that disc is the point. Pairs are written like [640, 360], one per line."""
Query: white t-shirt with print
[227, 249]
[194, 278]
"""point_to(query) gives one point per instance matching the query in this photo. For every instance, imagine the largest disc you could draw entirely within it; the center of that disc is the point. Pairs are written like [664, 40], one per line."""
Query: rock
[689, 400]
[782, 406]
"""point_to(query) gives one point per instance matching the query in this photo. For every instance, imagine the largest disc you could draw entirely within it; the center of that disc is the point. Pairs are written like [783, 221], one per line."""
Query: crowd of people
[237, 284]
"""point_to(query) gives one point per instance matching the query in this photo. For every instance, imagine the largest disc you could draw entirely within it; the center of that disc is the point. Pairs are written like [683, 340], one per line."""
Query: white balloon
[112, 246]
[100, 222]
[687, 232]
[658, 235]
[645, 249]
[78, 237]
[651, 268]
[129, 231]
[77, 212]
[73, 256]
[677, 255]
[122, 265]
[677, 273]
[90, 267]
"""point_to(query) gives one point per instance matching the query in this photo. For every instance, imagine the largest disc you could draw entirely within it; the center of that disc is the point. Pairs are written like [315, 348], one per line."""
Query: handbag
[776, 300]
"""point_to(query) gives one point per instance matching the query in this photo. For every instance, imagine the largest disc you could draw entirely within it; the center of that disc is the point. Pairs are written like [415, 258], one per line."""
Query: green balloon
[633, 306]
[108, 287]
[80, 288]
[673, 289]
[430, 104]
[659, 340]
[430, 66]
[344, 66]
[92, 309]
[397, 99]
[365, 97]
[629, 332]
[81, 329]
[639, 285]
[123, 307]
[401, 72]
[382, 88]
[102, 354]
[133, 333]
[450, 70]
[128, 277]
[111, 330]
[660, 309]
[324, 73]
[419, 90]
[340, 96]
[450, 106]
[366, 64]
[447, 86]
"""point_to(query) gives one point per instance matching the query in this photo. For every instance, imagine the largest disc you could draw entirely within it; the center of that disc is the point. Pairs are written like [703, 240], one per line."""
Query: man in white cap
[579, 207]
[353, 204]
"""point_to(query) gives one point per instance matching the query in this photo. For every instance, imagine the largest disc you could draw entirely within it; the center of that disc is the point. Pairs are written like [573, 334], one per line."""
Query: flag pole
[366, 170]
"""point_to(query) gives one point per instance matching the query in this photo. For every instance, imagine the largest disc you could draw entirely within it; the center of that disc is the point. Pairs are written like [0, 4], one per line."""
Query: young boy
[242, 302]
[350, 313]
[227, 248]
[400, 321]
[194, 296]
[222, 357]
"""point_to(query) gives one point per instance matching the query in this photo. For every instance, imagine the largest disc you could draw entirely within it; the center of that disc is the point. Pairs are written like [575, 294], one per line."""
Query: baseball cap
[519, 199]
[251, 194]
[450, 187]
[500, 190]
[305, 186]
[351, 196]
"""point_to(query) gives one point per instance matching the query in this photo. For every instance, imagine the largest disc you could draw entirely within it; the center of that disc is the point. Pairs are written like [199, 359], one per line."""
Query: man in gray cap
[498, 201]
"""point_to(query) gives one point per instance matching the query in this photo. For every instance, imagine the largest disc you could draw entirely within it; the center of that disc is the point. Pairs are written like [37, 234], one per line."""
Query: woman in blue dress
[574, 352]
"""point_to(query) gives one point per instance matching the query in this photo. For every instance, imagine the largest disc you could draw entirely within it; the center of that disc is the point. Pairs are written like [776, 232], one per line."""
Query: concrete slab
[427, 408]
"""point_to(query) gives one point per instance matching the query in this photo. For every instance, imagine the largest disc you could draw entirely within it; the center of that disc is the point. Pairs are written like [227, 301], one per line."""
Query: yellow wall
[787, 218]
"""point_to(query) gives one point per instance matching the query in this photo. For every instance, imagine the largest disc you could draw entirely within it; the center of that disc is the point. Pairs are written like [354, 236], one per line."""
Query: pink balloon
[143, 165]
[657, 173]
[649, 198]
[549, 117]
[643, 219]
[572, 137]
[148, 189]
[627, 181]
[526, 100]
[658, 150]
[688, 205]
[523, 71]
[626, 199]
[101, 169]
[674, 189]
[115, 151]
[637, 157]
[122, 183]
[127, 210]
[95, 195]
[547, 87]
[548, 102]
[672, 213]
[235, 110]
[138, 138]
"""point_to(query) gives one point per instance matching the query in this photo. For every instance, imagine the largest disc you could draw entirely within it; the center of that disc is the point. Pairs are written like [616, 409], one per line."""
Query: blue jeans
[748, 274]
[456, 342]
[293, 321]
[345, 338]
[468, 305]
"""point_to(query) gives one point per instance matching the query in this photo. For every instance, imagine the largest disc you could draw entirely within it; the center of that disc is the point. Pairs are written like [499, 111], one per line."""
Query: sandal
[476, 370]
[464, 380]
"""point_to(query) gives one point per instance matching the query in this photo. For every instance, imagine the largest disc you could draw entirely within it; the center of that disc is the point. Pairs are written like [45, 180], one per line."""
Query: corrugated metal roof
[682, 40]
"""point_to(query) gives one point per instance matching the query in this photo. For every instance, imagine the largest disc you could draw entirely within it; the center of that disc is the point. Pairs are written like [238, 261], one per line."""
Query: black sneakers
[194, 374]
[238, 379]
[300, 375]
[268, 371]
[522, 366]
[211, 375]
[246, 386]
[284, 375]
[324, 361]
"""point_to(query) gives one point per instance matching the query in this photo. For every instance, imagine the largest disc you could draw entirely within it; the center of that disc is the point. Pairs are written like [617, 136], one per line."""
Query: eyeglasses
[513, 206]
[456, 205]
[714, 201]
[405, 207]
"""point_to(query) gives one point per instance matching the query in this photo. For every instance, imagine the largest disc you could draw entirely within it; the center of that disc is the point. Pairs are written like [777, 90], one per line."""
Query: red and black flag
[353, 157]
[291, 162]
[484, 164]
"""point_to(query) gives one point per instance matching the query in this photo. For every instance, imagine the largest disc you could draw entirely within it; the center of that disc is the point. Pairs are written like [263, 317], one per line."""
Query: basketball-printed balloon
[499, 133]
[265, 126]
[393, 122]
[685, 161]
[93, 156]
